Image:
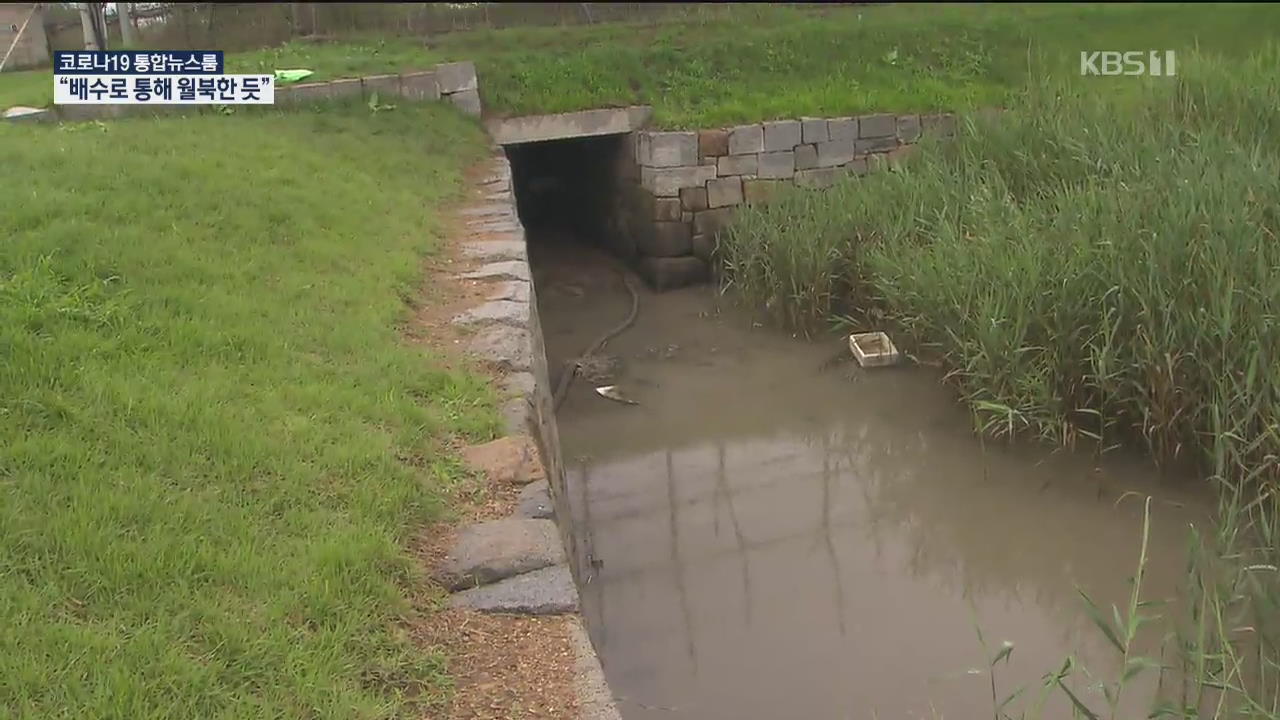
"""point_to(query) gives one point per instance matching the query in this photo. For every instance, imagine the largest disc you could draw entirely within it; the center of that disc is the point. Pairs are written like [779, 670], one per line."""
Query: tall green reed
[1097, 265]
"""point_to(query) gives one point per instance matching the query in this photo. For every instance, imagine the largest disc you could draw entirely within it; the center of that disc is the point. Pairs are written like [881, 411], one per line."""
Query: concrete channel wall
[452, 82]
[521, 576]
[679, 189]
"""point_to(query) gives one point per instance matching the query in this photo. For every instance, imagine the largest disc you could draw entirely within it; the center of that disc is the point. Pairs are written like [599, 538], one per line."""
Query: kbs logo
[1137, 62]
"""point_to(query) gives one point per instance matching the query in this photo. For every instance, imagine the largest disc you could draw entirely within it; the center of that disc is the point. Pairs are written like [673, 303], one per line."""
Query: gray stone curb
[456, 83]
[508, 335]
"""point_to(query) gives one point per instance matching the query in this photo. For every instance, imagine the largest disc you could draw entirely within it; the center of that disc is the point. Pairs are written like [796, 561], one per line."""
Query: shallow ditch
[769, 534]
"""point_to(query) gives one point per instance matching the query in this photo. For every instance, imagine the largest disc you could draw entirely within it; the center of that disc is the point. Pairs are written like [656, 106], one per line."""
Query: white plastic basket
[873, 349]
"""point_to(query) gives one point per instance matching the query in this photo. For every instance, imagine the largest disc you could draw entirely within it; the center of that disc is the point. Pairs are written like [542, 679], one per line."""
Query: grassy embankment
[718, 65]
[1095, 265]
[214, 439]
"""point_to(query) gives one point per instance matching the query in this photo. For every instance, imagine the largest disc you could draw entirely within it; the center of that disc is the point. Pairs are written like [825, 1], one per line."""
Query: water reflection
[779, 542]
[724, 499]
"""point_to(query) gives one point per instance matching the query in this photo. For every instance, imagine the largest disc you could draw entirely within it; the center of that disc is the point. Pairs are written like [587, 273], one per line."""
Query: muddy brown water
[774, 539]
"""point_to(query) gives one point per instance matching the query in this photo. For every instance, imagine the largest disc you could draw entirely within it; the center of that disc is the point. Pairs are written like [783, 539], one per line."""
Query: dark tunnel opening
[584, 197]
[565, 188]
[580, 252]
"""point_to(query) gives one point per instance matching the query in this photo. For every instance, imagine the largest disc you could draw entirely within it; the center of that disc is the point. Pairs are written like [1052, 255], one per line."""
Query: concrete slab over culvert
[588, 123]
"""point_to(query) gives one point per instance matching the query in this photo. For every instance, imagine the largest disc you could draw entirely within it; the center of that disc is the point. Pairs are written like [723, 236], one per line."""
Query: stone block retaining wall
[524, 564]
[454, 82]
[679, 189]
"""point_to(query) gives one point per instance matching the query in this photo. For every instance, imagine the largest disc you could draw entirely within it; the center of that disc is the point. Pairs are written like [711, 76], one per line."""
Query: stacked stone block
[690, 182]
[453, 82]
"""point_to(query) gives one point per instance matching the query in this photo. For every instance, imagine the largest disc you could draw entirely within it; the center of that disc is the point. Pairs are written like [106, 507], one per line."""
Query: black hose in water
[571, 367]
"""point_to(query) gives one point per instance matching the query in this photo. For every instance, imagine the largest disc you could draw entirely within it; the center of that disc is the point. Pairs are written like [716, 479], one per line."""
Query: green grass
[338, 60]
[715, 66]
[215, 440]
[33, 88]
[1089, 266]
[776, 62]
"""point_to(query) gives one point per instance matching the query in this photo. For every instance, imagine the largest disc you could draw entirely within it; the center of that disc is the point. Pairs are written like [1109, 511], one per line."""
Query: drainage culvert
[763, 533]
[577, 176]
